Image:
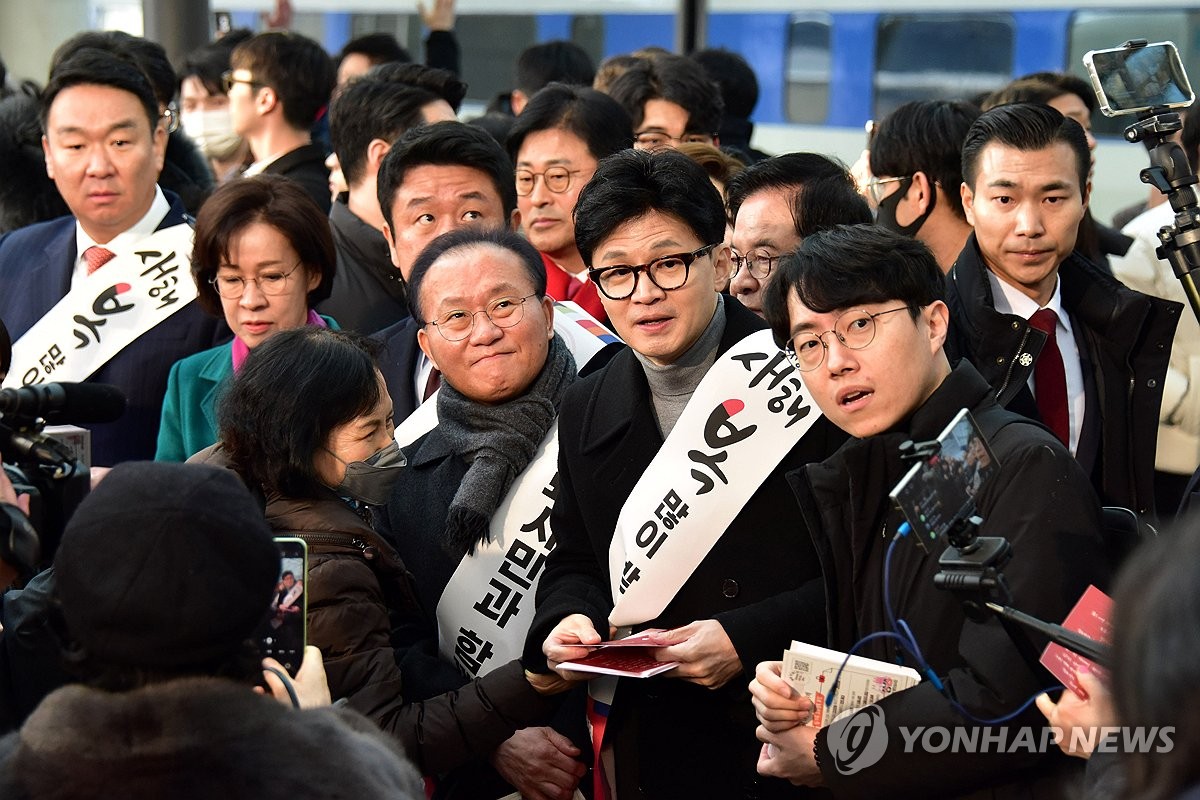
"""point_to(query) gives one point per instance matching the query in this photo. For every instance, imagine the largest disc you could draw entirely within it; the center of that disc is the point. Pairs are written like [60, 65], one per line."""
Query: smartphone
[942, 488]
[1137, 77]
[283, 632]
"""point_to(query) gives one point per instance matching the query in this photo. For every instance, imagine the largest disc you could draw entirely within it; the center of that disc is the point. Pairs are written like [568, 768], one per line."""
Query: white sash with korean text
[487, 606]
[747, 413]
[107, 310]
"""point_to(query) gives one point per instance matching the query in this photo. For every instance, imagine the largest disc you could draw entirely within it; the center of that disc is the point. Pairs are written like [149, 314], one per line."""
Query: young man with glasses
[916, 164]
[650, 225]
[774, 204]
[556, 144]
[278, 85]
[860, 311]
[671, 101]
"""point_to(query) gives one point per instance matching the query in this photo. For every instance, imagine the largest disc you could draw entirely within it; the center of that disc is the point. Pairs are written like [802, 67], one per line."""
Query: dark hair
[273, 200]
[469, 237]
[633, 183]
[925, 136]
[1067, 84]
[295, 67]
[787, 172]
[287, 572]
[829, 201]
[1024, 126]
[593, 116]
[557, 61]
[27, 195]
[446, 144]
[383, 104]
[1155, 658]
[91, 66]
[209, 62]
[379, 48]
[150, 57]
[439, 82]
[734, 75]
[851, 265]
[675, 79]
[272, 436]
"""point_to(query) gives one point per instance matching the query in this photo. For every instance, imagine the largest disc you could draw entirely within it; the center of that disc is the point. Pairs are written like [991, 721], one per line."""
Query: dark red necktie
[96, 257]
[432, 383]
[1050, 378]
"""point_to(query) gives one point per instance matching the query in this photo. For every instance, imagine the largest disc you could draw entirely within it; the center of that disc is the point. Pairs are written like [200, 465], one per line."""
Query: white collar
[1008, 299]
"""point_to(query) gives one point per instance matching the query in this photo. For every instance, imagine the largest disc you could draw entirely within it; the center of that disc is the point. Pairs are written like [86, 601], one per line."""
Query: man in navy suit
[104, 143]
[437, 178]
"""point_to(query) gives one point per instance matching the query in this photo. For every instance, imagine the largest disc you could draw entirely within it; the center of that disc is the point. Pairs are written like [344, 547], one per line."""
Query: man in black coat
[861, 312]
[1025, 168]
[278, 85]
[689, 731]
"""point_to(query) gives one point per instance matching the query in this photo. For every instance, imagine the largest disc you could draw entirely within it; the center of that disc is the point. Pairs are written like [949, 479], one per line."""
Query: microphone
[74, 402]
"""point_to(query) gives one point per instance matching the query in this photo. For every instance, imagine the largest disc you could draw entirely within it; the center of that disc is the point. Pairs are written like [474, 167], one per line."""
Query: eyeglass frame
[793, 357]
[228, 81]
[597, 273]
[677, 139]
[542, 175]
[213, 281]
[484, 311]
[874, 183]
[739, 261]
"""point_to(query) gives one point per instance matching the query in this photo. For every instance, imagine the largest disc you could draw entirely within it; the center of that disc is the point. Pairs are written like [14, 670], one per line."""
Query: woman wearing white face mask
[204, 108]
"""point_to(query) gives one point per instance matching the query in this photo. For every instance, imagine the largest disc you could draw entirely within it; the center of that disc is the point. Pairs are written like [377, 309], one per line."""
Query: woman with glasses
[556, 144]
[263, 257]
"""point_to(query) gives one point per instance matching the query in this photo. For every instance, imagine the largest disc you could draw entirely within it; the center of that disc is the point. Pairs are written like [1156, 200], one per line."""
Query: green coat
[189, 415]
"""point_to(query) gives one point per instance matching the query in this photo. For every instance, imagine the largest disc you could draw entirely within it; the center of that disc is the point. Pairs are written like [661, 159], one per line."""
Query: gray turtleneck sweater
[671, 386]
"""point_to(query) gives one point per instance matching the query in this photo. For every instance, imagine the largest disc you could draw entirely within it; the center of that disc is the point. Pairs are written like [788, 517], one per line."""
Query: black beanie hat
[165, 565]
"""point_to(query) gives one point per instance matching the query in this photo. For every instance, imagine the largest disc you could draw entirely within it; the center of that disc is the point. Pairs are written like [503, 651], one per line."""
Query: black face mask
[885, 215]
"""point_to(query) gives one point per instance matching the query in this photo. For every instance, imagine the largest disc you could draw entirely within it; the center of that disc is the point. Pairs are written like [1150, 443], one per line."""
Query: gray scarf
[498, 442]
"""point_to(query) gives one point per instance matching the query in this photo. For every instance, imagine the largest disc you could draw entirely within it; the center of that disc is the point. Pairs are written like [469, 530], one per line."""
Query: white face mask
[212, 131]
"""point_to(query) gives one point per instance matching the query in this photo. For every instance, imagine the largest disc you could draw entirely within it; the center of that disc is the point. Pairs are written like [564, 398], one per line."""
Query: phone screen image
[1130, 80]
[282, 633]
[942, 488]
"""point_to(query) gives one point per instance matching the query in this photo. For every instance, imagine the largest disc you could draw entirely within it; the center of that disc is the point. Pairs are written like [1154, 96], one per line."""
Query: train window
[1097, 30]
[808, 67]
[940, 57]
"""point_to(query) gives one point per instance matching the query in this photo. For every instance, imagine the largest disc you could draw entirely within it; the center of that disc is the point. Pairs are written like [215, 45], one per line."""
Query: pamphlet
[631, 657]
[1090, 618]
[811, 671]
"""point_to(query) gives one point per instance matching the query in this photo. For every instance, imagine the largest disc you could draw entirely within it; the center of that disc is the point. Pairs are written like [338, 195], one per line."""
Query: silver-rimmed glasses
[854, 328]
[454, 326]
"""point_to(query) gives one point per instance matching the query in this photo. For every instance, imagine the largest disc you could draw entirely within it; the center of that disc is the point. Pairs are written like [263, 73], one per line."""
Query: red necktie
[1050, 378]
[96, 257]
[573, 287]
[432, 383]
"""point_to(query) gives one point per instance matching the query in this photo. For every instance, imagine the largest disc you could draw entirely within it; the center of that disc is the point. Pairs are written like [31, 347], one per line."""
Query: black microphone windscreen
[89, 402]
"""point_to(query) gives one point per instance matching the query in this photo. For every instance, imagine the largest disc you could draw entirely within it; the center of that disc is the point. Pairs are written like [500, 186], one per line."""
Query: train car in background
[824, 67]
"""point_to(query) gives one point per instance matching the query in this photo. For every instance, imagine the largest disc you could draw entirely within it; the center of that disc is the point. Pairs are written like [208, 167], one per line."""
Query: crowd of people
[588, 366]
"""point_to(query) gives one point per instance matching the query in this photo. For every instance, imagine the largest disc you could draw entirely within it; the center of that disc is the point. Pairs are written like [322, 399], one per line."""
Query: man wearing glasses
[650, 225]
[556, 145]
[861, 312]
[774, 204]
[917, 167]
[278, 84]
[671, 101]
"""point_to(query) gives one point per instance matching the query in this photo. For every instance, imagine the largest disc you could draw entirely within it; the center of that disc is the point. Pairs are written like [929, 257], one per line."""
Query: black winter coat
[673, 738]
[1041, 502]
[1124, 340]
